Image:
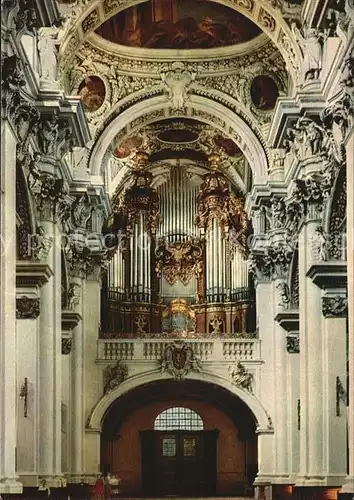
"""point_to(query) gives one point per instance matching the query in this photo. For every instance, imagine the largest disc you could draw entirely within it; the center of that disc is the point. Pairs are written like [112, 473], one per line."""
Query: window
[178, 418]
[169, 447]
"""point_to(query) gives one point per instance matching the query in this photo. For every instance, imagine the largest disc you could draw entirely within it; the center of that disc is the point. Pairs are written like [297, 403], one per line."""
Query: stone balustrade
[218, 350]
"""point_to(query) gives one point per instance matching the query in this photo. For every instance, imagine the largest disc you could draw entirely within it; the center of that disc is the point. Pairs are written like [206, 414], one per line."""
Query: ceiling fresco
[178, 24]
[176, 138]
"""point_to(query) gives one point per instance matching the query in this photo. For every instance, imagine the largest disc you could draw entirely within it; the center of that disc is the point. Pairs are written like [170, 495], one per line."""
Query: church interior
[177, 249]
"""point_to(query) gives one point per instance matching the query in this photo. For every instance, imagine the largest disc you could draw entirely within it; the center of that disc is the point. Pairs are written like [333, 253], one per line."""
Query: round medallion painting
[264, 92]
[92, 92]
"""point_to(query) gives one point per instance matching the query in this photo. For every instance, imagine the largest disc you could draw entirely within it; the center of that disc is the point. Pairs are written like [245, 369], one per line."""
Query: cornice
[69, 319]
[329, 275]
[152, 63]
[289, 320]
[70, 108]
[30, 273]
[185, 55]
[288, 110]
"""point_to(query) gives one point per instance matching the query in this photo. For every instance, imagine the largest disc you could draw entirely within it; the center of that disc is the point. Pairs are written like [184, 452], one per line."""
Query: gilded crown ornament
[215, 201]
[141, 198]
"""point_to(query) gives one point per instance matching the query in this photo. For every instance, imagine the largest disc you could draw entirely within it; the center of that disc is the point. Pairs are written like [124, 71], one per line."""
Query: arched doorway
[184, 438]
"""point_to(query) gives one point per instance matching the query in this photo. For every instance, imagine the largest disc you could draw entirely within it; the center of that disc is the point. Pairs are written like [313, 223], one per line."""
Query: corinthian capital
[23, 114]
[48, 191]
[272, 263]
[26, 20]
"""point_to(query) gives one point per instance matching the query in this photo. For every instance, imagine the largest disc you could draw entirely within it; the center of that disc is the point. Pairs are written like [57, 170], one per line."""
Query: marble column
[27, 330]
[77, 399]
[91, 372]
[9, 389]
[311, 370]
[293, 404]
[349, 482]
[50, 363]
[335, 409]
[266, 442]
[280, 390]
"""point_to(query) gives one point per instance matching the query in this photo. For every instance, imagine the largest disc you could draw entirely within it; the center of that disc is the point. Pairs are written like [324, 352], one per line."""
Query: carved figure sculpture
[46, 45]
[319, 245]
[81, 211]
[311, 45]
[74, 294]
[33, 170]
[114, 376]
[241, 377]
[283, 299]
[216, 325]
[48, 135]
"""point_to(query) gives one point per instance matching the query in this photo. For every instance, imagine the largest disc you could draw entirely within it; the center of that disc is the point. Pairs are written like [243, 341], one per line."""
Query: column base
[328, 481]
[315, 493]
[348, 486]
[32, 493]
[283, 491]
[10, 486]
[263, 491]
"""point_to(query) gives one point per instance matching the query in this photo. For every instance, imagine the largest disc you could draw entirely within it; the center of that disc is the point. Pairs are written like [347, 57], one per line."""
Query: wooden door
[179, 463]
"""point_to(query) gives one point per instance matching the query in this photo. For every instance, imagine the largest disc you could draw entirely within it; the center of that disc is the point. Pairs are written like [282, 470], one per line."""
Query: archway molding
[199, 108]
[263, 13]
[96, 418]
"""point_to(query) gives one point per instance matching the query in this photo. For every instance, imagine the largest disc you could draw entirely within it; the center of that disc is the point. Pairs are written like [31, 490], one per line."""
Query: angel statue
[311, 44]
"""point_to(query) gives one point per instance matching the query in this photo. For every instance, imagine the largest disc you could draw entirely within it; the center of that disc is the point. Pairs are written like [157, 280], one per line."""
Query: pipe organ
[182, 269]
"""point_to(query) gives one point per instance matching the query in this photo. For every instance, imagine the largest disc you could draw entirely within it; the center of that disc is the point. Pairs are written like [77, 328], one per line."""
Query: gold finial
[141, 159]
[214, 160]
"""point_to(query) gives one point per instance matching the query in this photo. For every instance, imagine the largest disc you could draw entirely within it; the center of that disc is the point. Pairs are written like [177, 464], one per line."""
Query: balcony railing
[218, 350]
[215, 295]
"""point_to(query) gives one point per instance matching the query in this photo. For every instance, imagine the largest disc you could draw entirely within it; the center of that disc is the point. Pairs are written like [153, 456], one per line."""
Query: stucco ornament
[178, 359]
[114, 376]
[335, 306]
[319, 245]
[283, 295]
[177, 82]
[241, 377]
[74, 295]
[43, 244]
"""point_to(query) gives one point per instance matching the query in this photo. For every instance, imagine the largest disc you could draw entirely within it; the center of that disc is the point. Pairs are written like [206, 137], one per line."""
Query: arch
[263, 13]
[199, 108]
[96, 418]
